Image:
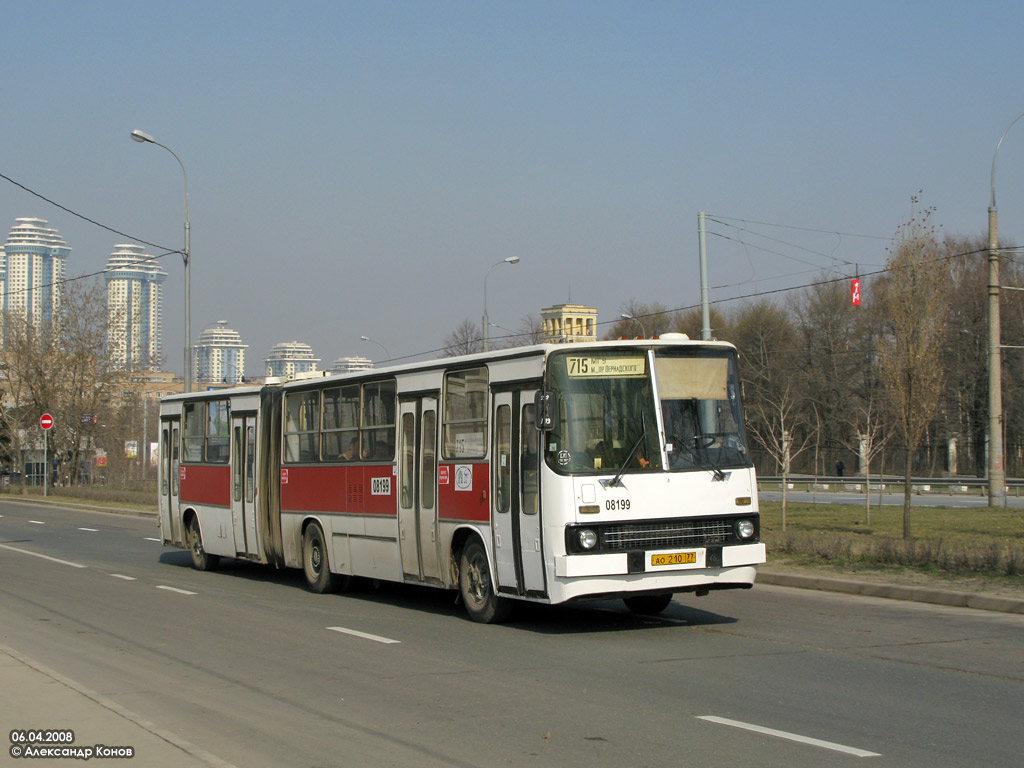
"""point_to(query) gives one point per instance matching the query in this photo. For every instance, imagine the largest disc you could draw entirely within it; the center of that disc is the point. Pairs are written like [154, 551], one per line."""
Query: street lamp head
[142, 137]
[512, 259]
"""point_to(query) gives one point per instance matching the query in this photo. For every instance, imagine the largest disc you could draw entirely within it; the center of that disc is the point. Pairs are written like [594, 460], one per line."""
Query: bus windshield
[608, 420]
[700, 409]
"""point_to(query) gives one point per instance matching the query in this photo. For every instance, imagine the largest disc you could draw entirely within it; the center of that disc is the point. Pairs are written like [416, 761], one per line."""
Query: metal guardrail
[947, 485]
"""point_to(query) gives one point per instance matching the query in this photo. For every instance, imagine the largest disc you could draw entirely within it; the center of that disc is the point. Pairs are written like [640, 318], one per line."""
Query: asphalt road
[250, 667]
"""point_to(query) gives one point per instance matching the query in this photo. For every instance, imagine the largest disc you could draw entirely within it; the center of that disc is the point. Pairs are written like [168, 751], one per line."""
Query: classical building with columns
[568, 323]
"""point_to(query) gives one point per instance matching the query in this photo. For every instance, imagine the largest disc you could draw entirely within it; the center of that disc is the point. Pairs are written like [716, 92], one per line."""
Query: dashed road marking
[364, 635]
[44, 557]
[790, 736]
[175, 589]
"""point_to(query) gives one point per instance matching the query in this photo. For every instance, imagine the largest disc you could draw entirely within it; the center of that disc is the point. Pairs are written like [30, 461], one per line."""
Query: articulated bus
[549, 473]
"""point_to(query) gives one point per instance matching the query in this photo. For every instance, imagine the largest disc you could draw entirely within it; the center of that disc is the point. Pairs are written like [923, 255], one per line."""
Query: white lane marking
[94, 530]
[150, 538]
[376, 638]
[790, 736]
[37, 522]
[122, 576]
[45, 557]
[175, 589]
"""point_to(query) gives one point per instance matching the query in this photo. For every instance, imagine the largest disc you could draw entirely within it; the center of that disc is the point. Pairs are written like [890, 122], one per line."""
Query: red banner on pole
[855, 292]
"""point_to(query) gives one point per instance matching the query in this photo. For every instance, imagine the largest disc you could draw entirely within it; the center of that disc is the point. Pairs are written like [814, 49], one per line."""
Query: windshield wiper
[617, 480]
[704, 443]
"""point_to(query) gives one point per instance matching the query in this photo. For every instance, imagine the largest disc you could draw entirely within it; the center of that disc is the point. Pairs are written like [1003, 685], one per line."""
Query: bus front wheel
[477, 588]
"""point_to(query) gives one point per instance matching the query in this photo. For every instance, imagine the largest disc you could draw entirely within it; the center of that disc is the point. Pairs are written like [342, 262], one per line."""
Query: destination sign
[592, 365]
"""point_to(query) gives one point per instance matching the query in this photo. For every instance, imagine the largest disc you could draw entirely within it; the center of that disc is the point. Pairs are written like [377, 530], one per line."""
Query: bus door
[418, 534]
[515, 482]
[243, 482]
[170, 480]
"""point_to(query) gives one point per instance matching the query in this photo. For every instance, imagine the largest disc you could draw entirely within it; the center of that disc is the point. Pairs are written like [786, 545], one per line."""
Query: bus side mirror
[545, 403]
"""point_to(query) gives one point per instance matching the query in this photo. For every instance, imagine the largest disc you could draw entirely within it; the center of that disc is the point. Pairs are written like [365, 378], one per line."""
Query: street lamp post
[996, 470]
[486, 320]
[643, 331]
[145, 138]
[374, 341]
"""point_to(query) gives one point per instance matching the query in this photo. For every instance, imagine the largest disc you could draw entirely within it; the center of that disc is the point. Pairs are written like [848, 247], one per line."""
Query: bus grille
[668, 534]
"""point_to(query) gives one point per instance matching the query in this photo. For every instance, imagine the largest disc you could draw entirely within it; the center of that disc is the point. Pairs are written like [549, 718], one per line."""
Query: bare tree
[61, 367]
[828, 331]
[872, 431]
[691, 322]
[780, 430]
[464, 340]
[531, 330]
[640, 319]
[912, 303]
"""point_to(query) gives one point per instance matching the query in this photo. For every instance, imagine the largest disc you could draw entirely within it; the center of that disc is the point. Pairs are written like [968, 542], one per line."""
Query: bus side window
[503, 454]
[528, 467]
[194, 431]
[464, 422]
[217, 431]
[302, 426]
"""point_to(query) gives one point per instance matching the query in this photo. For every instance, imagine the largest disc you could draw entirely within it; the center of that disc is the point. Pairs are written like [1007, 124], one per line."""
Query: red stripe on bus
[465, 497]
[206, 484]
[340, 488]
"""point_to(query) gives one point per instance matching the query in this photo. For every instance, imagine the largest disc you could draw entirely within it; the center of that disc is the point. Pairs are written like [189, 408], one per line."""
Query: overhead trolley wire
[165, 251]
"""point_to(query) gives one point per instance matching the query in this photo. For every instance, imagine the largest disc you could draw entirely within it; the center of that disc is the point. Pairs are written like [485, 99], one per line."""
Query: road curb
[58, 502]
[916, 594]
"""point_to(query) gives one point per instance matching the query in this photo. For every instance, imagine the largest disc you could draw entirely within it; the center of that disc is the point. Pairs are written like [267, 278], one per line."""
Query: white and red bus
[549, 473]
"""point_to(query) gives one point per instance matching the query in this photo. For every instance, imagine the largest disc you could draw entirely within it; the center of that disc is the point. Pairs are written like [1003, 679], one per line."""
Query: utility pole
[996, 470]
[705, 304]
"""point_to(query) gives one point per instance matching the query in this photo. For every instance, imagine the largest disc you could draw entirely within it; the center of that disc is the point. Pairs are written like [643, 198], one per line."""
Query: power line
[166, 251]
[801, 229]
[784, 242]
[86, 218]
[86, 276]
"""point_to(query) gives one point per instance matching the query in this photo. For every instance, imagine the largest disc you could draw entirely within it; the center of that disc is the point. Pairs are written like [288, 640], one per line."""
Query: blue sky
[356, 168]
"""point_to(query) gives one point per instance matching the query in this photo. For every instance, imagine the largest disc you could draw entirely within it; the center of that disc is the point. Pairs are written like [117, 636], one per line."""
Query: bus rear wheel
[201, 559]
[316, 566]
[477, 589]
[648, 604]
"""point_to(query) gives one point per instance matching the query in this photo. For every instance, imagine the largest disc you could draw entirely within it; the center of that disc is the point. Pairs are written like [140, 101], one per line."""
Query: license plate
[674, 558]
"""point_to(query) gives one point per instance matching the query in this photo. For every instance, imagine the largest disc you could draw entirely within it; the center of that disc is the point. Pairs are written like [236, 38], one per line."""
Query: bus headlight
[587, 538]
[744, 529]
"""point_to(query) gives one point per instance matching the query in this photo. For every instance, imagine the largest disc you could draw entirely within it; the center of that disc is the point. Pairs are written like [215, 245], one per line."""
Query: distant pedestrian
[839, 468]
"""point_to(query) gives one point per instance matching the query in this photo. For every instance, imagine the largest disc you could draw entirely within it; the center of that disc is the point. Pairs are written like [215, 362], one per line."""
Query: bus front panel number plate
[674, 558]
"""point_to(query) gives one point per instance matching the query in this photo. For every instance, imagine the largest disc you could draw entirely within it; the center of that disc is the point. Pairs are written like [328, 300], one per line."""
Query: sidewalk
[37, 698]
[913, 592]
